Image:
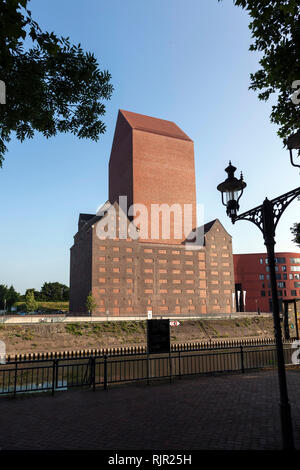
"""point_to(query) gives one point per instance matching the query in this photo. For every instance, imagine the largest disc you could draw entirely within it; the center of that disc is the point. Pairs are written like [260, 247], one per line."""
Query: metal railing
[118, 351]
[102, 371]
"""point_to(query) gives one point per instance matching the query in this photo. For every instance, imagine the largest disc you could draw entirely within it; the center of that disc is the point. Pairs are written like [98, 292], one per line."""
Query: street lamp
[232, 189]
[293, 142]
[266, 218]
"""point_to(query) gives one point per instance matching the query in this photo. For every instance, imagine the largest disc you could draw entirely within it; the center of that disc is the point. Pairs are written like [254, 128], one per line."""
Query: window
[284, 276]
[261, 277]
[267, 269]
[296, 284]
[294, 293]
[281, 284]
[280, 293]
[278, 276]
[295, 268]
[281, 260]
[263, 293]
[291, 276]
[283, 268]
[276, 268]
[263, 285]
[295, 260]
[261, 260]
[296, 276]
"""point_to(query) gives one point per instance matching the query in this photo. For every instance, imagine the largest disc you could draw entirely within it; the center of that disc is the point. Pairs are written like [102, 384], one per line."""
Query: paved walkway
[218, 412]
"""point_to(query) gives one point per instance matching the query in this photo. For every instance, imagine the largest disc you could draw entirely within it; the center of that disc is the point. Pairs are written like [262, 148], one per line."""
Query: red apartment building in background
[252, 280]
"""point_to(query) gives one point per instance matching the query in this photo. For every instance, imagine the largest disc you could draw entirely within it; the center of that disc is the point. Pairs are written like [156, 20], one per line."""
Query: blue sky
[185, 61]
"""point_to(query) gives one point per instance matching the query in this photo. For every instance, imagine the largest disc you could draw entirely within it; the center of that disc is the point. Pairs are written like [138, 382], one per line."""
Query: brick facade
[252, 276]
[128, 278]
[152, 161]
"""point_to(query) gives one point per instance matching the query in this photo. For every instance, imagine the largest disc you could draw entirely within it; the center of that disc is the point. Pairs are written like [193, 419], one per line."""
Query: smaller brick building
[251, 272]
[128, 277]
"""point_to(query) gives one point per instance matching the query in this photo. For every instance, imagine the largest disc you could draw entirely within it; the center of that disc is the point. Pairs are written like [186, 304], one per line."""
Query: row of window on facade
[280, 260]
[151, 250]
[278, 276]
[281, 293]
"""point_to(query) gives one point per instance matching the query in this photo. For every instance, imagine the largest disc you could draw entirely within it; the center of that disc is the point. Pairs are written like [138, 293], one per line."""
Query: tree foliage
[275, 28]
[8, 296]
[91, 304]
[295, 229]
[54, 292]
[51, 86]
[31, 304]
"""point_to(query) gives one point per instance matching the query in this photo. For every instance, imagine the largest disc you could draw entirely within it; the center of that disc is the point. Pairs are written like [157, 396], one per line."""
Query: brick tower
[152, 162]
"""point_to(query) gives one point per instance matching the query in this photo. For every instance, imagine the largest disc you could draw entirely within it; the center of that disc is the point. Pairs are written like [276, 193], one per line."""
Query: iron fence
[102, 371]
[133, 350]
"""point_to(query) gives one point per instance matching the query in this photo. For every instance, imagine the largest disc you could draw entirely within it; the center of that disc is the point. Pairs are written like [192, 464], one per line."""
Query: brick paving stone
[226, 412]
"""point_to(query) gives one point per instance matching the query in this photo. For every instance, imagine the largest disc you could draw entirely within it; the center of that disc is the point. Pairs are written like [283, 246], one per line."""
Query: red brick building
[151, 162]
[251, 274]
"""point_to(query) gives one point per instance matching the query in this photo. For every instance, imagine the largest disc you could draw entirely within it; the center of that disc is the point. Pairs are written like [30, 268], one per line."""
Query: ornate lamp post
[266, 218]
[293, 142]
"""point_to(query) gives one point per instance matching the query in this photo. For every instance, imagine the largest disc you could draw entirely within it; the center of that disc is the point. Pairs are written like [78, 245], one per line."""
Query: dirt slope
[76, 336]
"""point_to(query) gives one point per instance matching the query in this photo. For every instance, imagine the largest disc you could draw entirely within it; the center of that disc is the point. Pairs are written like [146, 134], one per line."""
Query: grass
[47, 306]
[118, 328]
[74, 329]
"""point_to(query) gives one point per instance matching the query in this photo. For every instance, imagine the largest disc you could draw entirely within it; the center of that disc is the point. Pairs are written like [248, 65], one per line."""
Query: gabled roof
[154, 125]
[83, 218]
[208, 226]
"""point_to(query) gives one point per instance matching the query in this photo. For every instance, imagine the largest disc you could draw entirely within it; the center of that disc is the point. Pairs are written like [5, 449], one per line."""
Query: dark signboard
[158, 336]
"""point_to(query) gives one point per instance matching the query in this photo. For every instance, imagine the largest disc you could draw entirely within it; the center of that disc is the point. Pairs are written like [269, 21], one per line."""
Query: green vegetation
[74, 329]
[47, 307]
[118, 328]
[295, 229]
[53, 85]
[30, 302]
[50, 292]
[8, 297]
[26, 335]
[91, 303]
[275, 32]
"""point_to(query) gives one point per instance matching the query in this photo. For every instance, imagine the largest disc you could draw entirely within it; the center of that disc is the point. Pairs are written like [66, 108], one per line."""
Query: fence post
[93, 372]
[15, 381]
[105, 372]
[54, 367]
[170, 366]
[242, 360]
[179, 365]
[148, 368]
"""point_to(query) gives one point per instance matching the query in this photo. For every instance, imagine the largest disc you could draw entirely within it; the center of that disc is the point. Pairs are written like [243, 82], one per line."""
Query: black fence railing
[66, 373]
[133, 350]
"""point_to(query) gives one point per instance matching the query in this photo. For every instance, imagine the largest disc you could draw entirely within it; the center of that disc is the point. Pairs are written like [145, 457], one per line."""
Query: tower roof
[155, 125]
